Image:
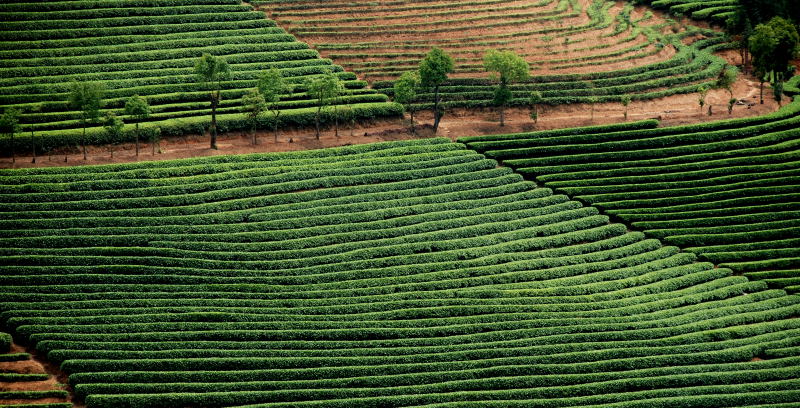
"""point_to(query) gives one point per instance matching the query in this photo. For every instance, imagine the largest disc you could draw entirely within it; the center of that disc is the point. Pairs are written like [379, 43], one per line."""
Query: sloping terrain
[726, 190]
[149, 48]
[385, 275]
[24, 383]
[717, 11]
[577, 49]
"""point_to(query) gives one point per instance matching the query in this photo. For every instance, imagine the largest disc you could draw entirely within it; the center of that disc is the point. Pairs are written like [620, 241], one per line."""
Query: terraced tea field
[149, 48]
[717, 11]
[578, 49]
[728, 191]
[397, 274]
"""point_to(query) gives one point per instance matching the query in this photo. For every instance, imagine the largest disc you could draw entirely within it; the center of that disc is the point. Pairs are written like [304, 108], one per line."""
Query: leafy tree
[324, 89]
[534, 100]
[703, 91]
[773, 46]
[405, 92]
[211, 71]
[725, 81]
[155, 139]
[138, 108]
[113, 127]
[344, 110]
[547, 43]
[727, 78]
[593, 100]
[9, 125]
[777, 91]
[272, 85]
[508, 67]
[253, 104]
[626, 101]
[86, 97]
[433, 70]
[33, 109]
[762, 46]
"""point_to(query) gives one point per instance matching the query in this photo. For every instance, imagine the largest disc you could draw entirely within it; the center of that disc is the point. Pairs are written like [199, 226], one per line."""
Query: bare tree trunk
[137, 139]
[275, 125]
[336, 119]
[33, 144]
[214, 100]
[413, 128]
[761, 85]
[13, 154]
[436, 116]
[316, 120]
[253, 132]
[83, 141]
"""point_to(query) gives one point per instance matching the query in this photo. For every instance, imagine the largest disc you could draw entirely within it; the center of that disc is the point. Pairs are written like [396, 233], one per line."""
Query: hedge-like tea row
[727, 190]
[149, 48]
[411, 273]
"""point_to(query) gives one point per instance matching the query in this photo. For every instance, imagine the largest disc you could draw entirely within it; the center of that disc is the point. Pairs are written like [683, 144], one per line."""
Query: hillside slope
[386, 275]
[728, 191]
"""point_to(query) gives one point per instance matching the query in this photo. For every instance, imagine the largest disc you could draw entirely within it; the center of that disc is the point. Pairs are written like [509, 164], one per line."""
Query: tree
[34, 109]
[593, 100]
[211, 71]
[9, 125]
[324, 89]
[253, 104]
[405, 92]
[703, 91]
[725, 81]
[773, 46]
[138, 108]
[777, 91]
[625, 100]
[272, 85]
[433, 70]
[155, 138]
[547, 42]
[508, 67]
[113, 127]
[762, 47]
[534, 100]
[86, 97]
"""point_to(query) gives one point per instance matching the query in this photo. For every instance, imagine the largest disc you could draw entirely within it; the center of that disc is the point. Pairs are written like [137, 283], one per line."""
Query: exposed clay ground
[35, 365]
[378, 34]
[673, 110]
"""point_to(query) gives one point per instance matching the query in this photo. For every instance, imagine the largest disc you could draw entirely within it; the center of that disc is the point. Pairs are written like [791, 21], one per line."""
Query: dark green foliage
[711, 187]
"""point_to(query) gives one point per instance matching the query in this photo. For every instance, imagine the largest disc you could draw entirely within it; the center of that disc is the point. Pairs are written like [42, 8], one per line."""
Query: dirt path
[33, 365]
[673, 110]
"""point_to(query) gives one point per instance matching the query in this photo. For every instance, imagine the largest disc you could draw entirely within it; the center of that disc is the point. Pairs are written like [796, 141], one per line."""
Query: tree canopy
[433, 69]
[506, 66]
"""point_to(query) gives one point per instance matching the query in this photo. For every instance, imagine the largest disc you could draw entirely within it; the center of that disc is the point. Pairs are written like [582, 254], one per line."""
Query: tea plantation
[728, 191]
[396, 274]
[149, 48]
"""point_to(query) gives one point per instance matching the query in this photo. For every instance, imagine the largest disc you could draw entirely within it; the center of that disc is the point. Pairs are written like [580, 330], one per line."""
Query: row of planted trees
[87, 99]
[504, 67]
